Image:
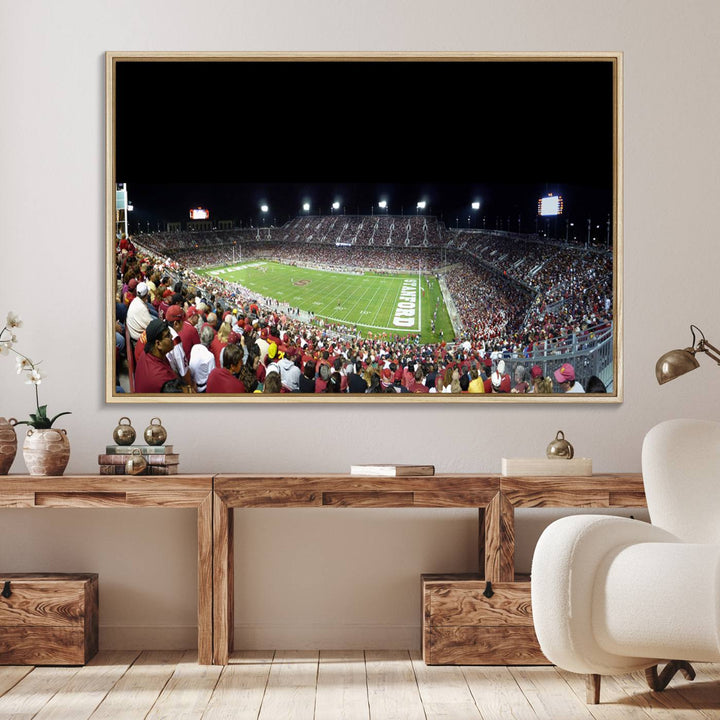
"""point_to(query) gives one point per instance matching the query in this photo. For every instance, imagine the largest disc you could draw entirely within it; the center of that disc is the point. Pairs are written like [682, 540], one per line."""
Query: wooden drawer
[462, 626]
[48, 619]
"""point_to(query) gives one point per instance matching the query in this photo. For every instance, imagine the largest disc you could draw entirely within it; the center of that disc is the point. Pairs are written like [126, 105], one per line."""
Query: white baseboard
[266, 637]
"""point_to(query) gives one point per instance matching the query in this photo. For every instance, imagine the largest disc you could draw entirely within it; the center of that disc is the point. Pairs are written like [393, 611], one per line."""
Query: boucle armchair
[614, 595]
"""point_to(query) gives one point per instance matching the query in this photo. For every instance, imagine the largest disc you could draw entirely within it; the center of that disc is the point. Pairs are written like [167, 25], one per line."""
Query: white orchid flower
[13, 320]
[5, 347]
[35, 377]
[23, 364]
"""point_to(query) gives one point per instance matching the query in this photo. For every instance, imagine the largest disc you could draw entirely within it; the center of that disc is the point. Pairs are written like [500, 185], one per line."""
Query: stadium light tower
[420, 206]
[306, 207]
[475, 205]
[335, 206]
[383, 205]
[264, 210]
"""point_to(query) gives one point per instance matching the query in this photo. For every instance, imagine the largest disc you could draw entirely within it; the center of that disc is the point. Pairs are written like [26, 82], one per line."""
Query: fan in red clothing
[222, 379]
[153, 369]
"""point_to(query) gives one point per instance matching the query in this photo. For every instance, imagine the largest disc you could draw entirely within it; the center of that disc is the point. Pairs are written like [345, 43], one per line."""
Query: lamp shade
[675, 363]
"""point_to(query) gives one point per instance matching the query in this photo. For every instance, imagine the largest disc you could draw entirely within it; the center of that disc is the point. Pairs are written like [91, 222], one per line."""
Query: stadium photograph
[364, 227]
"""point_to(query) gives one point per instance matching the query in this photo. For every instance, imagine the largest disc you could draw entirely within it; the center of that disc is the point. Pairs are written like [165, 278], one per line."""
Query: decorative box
[48, 618]
[468, 621]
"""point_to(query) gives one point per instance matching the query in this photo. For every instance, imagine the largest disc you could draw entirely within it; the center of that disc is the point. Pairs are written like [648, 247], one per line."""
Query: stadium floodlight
[421, 205]
[306, 207]
[336, 205]
[475, 205]
[264, 208]
[382, 204]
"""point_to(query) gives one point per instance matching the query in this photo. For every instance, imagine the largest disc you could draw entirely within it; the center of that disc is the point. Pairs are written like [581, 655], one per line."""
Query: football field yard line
[362, 294]
[381, 305]
[324, 288]
[336, 299]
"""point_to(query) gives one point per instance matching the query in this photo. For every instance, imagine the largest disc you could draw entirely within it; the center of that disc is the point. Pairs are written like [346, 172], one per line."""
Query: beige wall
[330, 579]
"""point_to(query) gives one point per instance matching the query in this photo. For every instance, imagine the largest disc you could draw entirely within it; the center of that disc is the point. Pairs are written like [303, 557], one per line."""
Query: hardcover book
[165, 459]
[149, 470]
[392, 470]
[144, 449]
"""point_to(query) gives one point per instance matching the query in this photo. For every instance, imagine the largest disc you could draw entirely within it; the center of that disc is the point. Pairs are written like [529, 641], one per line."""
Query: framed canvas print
[364, 227]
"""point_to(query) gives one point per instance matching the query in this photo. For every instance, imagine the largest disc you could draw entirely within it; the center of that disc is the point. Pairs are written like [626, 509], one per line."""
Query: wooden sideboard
[125, 491]
[494, 496]
[215, 496]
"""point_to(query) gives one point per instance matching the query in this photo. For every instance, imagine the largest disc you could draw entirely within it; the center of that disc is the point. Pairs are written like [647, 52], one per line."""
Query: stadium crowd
[183, 328]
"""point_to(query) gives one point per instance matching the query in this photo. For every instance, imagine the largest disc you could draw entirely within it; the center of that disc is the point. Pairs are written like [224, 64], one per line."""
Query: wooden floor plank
[703, 693]
[240, 691]
[79, 698]
[188, 692]
[290, 692]
[615, 703]
[347, 685]
[548, 694]
[34, 691]
[139, 688]
[497, 694]
[666, 705]
[392, 688]
[11, 675]
[342, 686]
[251, 657]
[444, 691]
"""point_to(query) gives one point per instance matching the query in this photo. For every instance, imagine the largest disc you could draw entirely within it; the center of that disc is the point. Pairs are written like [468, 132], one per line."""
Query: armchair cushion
[567, 559]
[659, 600]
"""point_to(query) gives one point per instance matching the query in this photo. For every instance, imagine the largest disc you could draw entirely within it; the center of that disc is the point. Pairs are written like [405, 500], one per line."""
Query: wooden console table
[93, 491]
[215, 498]
[495, 497]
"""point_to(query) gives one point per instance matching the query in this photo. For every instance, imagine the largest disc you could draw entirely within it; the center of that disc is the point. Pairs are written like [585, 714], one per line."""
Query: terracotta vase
[46, 452]
[8, 444]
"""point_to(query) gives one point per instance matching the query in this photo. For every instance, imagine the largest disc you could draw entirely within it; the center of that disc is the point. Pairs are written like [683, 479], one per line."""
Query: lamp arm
[710, 350]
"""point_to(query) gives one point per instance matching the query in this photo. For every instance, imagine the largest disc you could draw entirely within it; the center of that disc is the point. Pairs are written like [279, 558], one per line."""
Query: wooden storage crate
[461, 626]
[48, 618]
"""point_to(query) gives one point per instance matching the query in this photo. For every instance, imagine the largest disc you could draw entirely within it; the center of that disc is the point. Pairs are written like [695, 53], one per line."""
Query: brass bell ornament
[155, 434]
[560, 448]
[136, 464]
[124, 434]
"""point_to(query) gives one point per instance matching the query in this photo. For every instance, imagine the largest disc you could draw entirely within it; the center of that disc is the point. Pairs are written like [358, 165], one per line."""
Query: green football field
[378, 303]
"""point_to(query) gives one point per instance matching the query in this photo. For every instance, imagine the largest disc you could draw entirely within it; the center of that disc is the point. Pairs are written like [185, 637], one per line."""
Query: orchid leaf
[67, 412]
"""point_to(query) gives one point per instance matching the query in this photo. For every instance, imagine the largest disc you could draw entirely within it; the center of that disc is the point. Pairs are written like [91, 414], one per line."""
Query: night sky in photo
[230, 135]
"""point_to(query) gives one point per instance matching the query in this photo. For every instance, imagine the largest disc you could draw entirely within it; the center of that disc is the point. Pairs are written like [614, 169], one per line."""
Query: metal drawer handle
[6, 592]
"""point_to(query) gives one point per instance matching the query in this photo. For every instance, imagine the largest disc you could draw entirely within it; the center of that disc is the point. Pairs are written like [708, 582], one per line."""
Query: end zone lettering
[406, 307]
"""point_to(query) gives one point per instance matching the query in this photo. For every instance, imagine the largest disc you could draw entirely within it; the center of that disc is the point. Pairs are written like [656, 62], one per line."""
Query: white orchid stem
[29, 361]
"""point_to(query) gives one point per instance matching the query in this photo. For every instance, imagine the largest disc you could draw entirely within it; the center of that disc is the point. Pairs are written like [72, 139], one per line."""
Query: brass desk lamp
[677, 362]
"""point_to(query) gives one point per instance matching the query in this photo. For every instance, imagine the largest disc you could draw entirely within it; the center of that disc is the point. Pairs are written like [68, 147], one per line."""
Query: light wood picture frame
[498, 244]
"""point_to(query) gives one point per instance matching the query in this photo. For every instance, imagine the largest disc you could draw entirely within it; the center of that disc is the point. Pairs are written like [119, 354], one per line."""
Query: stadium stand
[518, 299]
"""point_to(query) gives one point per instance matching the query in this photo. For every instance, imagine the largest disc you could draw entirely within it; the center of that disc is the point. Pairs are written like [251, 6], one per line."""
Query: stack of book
[160, 459]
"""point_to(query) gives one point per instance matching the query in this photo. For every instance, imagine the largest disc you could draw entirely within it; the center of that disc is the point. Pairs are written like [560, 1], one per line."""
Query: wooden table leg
[481, 541]
[499, 518]
[223, 581]
[205, 580]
